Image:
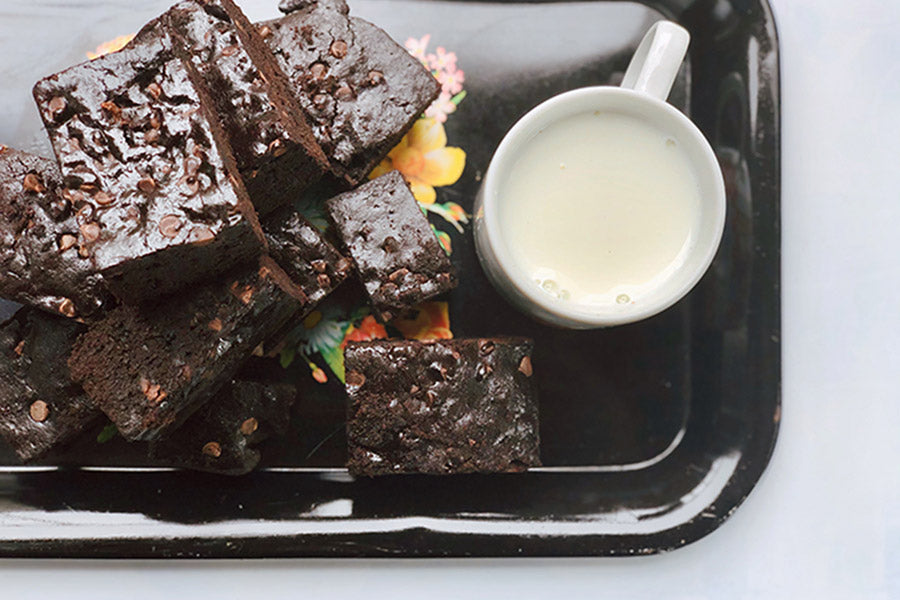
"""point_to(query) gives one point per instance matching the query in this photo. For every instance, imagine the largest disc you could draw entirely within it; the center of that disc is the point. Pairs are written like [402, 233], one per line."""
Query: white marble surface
[825, 520]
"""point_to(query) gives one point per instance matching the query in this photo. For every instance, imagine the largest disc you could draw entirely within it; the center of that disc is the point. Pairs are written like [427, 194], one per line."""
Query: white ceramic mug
[642, 94]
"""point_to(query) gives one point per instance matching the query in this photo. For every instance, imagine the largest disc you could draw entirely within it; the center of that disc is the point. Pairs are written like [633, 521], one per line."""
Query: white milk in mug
[601, 208]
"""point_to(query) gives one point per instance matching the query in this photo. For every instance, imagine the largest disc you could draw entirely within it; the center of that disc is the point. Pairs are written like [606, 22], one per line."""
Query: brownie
[397, 255]
[361, 90]
[274, 147]
[40, 264]
[148, 368]
[450, 406]
[221, 436]
[147, 170]
[41, 408]
[311, 261]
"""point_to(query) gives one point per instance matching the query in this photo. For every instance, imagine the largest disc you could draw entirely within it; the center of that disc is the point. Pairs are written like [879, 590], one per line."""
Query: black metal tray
[653, 433]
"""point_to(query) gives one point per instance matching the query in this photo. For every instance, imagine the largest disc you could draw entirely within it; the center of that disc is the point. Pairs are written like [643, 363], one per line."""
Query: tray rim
[225, 545]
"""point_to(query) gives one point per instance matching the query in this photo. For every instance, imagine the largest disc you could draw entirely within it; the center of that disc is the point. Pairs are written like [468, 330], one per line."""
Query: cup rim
[563, 310]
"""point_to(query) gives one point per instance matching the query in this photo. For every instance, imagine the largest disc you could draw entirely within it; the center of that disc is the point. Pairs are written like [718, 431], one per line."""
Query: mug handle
[658, 58]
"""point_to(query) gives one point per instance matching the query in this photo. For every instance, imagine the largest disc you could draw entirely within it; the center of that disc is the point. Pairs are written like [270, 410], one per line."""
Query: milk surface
[599, 208]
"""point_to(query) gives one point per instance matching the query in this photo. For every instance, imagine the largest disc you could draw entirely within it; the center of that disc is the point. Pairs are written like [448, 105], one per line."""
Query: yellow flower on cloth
[432, 322]
[424, 160]
[110, 46]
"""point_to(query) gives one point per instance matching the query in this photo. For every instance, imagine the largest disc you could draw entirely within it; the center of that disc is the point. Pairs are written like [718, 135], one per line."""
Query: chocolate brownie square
[274, 147]
[311, 261]
[41, 408]
[148, 368]
[147, 171]
[397, 255]
[221, 437]
[40, 261]
[361, 90]
[449, 406]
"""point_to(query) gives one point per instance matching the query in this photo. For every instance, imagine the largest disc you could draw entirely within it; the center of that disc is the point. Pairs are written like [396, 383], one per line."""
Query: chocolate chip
[414, 389]
[265, 31]
[485, 347]
[319, 266]
[320, 100]
[191, 185]
[103, 198]
[147, 185]
[375, 77]
[213, 449]
[230, 50]
[154, 91]
[525, 366]
[56, 105]
[192, 165]
[154, 121]
[318, 70]
[133, 213]
[67, 308]
[39, 411]
[84, 251]
[170, 225]
[89, 187]
[85, 213]
[152, 136]
[338, 49]
[483, 371]
[249, 426]
[390, 244]
[32, 183]
[276, 148]
[72, 196]
[202, 235]
[90, 232]
[152, 391]
[355, 378]
[67, 241]
[323, 280]
[432, 396]
[244, 294]
[114, 111]
[398, 274]
[215, 325]
[345, 92]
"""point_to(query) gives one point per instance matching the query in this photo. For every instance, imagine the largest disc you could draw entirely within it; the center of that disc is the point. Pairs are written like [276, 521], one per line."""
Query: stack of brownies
[160, 249]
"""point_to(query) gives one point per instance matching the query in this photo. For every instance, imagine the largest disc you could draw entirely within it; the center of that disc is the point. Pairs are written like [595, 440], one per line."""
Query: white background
[824, 521]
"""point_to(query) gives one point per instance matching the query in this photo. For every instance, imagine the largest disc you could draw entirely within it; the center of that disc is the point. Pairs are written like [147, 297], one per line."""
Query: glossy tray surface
[652, 433]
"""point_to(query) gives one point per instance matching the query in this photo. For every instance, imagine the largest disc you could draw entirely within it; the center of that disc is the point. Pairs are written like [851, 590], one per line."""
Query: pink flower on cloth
[442, 60]
[417, 47]
[441, 108]
[451, 81]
